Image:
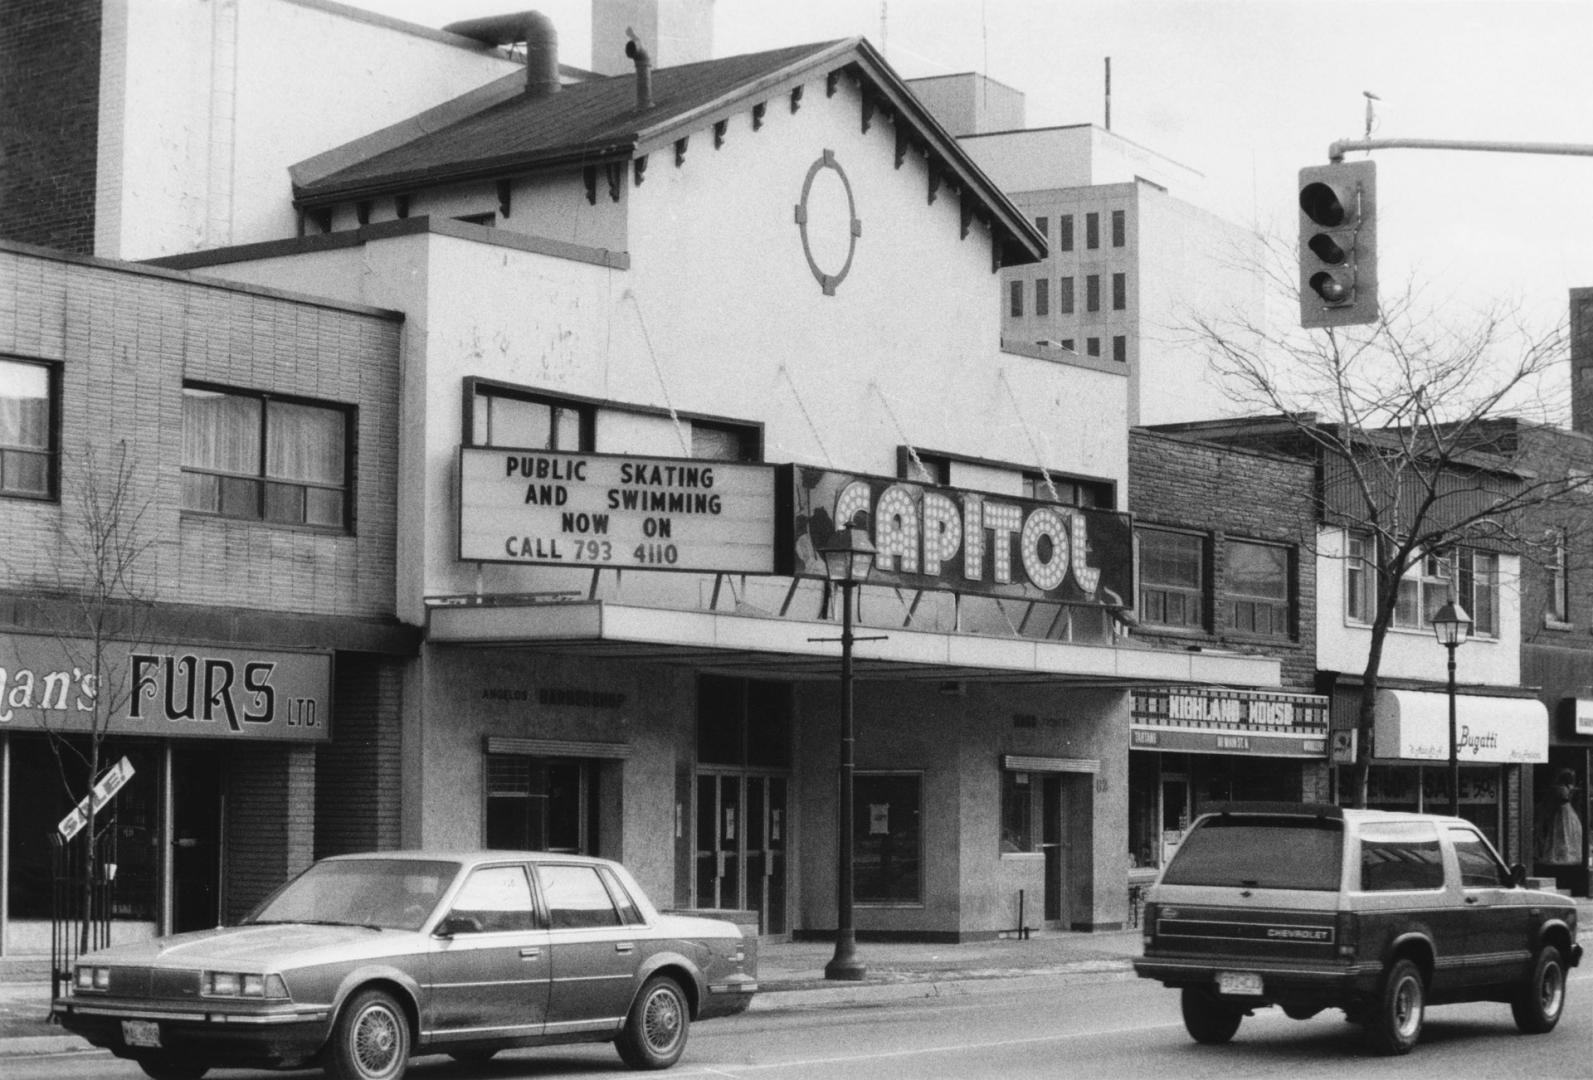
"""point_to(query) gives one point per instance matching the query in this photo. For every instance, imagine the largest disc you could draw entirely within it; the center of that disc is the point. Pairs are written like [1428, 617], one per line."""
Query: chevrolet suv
[1377, 913]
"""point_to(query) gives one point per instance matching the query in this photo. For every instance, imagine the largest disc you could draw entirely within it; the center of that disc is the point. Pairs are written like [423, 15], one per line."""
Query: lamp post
[1451, 625]
[848, 558]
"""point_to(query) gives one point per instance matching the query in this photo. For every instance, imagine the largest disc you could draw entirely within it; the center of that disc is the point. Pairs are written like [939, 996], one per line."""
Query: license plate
[1238, 982]
[141, 1033]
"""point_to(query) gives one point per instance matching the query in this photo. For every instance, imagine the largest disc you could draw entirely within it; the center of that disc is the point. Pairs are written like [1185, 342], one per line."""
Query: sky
[1247, 92]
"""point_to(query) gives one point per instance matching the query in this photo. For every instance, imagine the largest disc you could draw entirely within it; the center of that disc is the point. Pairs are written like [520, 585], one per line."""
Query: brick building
[251, 665]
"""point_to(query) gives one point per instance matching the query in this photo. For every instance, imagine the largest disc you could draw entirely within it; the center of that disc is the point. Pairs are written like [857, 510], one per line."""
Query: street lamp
[1451, 625]
[848, 558]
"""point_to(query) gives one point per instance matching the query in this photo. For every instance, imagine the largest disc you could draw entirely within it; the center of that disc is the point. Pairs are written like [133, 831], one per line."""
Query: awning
[1414, 725]
[793, 648]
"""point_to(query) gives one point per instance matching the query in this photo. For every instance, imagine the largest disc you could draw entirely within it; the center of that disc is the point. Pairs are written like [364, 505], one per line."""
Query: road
[1111, 1027]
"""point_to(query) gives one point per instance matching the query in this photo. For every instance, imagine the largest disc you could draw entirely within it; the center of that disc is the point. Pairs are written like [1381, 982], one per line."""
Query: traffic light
[1338, 244]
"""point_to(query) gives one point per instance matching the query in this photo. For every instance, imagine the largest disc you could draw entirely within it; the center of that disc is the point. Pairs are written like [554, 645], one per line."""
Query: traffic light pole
[1337, 150]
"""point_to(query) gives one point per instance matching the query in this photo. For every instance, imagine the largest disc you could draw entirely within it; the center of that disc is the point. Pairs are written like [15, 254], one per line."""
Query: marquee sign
[550, 508]
[1218, 721]
[966, 541]
[167, 691]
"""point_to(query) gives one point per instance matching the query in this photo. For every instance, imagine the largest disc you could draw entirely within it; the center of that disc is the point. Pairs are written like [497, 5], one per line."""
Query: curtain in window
[221, 432]
[1258, 570]
[24, 405]
[304, 443]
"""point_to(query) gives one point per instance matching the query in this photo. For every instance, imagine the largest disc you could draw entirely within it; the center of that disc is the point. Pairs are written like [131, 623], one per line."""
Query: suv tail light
[1345, 928]
[1147, 922]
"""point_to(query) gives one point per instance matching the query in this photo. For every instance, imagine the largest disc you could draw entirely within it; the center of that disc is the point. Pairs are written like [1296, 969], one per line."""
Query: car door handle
[624, 946]
[530, 952]
[1471, 899]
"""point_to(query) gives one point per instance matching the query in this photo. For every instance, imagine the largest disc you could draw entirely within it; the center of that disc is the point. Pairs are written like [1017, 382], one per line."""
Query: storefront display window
[887, 838]
[1425, 789]
[542, 804]
[1017, 812]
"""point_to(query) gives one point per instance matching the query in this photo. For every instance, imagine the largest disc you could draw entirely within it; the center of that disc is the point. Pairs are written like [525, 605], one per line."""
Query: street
[1103, 1028]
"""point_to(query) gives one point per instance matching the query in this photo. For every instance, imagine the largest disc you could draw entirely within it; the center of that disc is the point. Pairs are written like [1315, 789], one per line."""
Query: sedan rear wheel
[1540, 1001]
[655, 1031]
[370, 1040]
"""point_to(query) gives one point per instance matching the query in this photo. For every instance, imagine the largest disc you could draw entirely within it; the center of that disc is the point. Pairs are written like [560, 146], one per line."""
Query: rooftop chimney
[644, 69]
[531, 27]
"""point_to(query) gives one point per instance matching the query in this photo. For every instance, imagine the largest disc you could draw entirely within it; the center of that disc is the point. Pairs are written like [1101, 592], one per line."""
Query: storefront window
[542, 804]
[887, 838]
[1017, 812]
[1144, 821]
[743, 722]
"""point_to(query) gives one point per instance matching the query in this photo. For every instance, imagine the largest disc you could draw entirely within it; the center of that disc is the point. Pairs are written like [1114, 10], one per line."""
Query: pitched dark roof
[501, 131]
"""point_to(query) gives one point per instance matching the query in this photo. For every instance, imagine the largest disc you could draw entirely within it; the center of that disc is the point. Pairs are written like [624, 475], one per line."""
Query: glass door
[742, 829]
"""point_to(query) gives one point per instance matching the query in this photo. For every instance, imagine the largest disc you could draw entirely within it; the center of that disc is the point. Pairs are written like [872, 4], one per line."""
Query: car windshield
[388, 893]
[1260, 852]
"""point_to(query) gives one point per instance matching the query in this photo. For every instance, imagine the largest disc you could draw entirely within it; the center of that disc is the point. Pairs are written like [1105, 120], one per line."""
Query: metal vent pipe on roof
[531, 27]
[644, 69]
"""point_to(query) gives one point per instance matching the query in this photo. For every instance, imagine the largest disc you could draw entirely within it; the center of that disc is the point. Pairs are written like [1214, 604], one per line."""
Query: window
[1017, 299]
[1119, 292]
[1360, 595]
[1092, 292]
[1120, 348]
[1422, 591]
[264, 458]
[27, 429]
[542, 804]
[1068, 492]
[1042, 297]
[502, 416]
[1480, 867]
[1401, 857]
[1479, 590]
[576, 897]
[1092, 346]
[743, 722]
[1017, 812]
[1118, 228]
[1064, 302]
[495, 899]
[1172, 573]
[1067, 343]
[1092, 231]
[921, 468]
[887, 838]
[1257, 587]
[1042, 226]
[1064, 232]
[725, 442]
[1559, 601]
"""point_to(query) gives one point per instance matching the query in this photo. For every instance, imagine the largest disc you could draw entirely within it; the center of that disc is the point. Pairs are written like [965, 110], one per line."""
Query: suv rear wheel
[1540, 1001]
[1208, 1019]
[1395, 1020]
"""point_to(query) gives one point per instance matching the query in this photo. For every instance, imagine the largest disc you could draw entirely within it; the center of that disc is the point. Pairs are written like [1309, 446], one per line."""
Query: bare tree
[97, 580]
[1415, 422]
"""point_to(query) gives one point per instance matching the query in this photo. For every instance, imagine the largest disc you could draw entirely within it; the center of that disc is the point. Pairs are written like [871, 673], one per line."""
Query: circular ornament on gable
[827, 218]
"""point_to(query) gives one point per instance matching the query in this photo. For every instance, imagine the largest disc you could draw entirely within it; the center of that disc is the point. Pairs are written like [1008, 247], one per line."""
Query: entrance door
[742, 829]
[196, 839]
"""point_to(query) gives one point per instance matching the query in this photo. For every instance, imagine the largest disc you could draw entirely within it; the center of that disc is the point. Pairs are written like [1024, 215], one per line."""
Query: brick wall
[357, 774]
[1223, 492]
[270, 820]
[125, 339]
[49, 117]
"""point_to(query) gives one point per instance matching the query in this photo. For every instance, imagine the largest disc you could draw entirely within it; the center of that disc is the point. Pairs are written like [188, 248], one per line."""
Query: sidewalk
[790, 975]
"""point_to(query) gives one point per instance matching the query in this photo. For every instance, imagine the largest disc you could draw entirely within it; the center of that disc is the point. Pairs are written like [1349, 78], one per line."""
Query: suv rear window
[1260, 852]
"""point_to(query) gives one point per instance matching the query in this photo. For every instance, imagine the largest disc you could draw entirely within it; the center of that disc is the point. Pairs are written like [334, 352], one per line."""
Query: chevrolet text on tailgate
[1380, 914]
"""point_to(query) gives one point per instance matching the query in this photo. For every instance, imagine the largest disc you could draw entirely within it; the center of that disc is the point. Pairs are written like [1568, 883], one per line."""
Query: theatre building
[666, 333]
[220, 459]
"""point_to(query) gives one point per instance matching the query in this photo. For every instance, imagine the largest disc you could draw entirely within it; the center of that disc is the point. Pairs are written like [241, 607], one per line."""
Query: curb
[42, 1045]
[860, 993]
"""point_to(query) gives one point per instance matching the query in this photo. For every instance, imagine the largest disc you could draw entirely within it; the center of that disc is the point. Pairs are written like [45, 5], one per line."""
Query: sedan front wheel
[370, 1040]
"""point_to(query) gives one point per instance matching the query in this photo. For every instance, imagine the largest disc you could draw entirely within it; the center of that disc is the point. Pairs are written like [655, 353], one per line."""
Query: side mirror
[1518, 875]
[458, 924]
